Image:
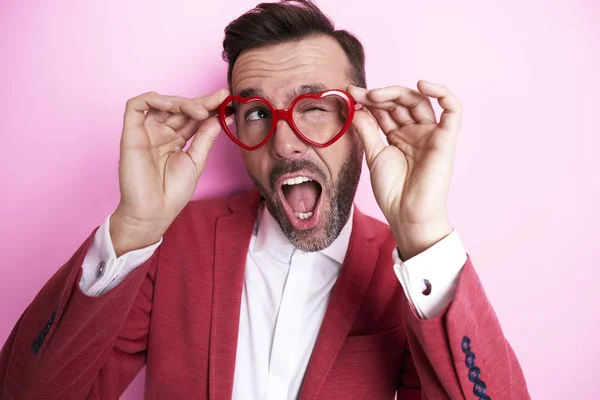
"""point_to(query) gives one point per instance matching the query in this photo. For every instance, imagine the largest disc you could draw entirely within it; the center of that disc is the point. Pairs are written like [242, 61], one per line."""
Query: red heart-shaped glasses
[319, 119]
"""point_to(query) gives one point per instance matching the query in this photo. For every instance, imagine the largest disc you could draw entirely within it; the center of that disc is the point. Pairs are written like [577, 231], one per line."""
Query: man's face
[311, 213]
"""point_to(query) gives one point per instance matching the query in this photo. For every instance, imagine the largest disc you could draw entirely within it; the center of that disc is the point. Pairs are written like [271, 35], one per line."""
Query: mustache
[291, 166]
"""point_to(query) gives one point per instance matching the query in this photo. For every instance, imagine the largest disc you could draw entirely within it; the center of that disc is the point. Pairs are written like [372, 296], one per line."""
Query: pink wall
[525, 192]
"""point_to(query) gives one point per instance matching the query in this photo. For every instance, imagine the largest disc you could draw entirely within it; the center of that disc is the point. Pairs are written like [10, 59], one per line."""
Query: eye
[257, 114]
[313, 110]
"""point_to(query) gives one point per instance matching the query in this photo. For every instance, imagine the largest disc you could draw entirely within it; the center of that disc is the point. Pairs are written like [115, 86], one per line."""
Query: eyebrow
[251, 92]
[300, 90]
[310, 88]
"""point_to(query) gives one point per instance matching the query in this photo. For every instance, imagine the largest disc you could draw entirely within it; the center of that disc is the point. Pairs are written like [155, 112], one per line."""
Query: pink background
[525, 191]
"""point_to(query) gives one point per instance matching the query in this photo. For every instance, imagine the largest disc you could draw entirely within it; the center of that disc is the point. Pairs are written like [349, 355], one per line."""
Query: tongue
[302, 197]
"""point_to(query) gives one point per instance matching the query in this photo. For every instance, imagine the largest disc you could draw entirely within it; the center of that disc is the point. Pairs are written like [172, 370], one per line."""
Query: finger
[203, 141]
[401, 114]
[136, 107]
[384, 119]
[419, 105]
[212, 101]
[451, 117]
[360, 95]
[368, 132]
[157, 115]
[188, 130]
[177, 121]
[182, 105]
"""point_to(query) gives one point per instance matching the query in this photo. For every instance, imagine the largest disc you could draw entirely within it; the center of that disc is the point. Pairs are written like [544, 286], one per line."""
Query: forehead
[277, 71]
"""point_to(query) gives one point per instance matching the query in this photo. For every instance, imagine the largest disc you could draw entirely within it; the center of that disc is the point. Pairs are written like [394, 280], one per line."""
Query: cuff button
[100, 271]
[427, 287]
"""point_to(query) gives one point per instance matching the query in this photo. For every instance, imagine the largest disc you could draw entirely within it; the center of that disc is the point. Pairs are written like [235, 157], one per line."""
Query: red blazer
[178, 313]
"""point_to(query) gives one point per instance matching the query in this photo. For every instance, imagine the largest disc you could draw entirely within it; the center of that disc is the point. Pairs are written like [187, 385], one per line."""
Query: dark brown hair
[288, 21]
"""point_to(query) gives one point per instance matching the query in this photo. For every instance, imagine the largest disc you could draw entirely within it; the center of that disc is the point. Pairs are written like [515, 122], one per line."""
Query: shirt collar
[269, 236]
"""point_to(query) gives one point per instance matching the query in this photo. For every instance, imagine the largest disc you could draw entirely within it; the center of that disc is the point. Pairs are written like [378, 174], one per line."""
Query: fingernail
[229, 120]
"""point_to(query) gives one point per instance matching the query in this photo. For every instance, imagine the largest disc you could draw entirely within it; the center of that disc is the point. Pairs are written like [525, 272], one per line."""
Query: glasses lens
[320, 120]
[252, 121]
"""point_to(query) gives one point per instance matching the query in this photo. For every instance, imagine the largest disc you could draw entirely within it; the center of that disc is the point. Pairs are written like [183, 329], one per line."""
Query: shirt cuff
[429, 279]
[102, 270]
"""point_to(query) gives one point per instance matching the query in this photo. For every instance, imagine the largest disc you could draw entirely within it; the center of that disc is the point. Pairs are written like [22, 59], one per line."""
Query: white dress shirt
[285, 296]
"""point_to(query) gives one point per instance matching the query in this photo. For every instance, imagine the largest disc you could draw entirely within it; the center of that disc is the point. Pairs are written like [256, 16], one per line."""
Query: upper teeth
[296, 180]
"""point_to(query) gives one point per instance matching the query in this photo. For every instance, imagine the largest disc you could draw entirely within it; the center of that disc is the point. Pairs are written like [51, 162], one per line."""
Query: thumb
[368, 132]
[203, 141]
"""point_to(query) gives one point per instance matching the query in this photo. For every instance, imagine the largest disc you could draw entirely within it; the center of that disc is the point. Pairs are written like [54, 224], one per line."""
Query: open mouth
[300, 194]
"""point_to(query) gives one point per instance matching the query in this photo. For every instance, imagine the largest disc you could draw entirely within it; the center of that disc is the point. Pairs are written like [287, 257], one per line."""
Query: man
[288, 291]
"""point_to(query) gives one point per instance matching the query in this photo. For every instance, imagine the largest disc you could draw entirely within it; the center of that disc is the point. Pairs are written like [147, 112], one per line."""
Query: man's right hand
[156, 178]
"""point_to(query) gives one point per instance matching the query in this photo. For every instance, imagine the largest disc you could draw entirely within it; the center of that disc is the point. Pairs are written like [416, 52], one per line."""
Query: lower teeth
[304, 215]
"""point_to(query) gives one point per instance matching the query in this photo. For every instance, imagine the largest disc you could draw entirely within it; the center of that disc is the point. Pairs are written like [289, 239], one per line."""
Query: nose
[285, 144]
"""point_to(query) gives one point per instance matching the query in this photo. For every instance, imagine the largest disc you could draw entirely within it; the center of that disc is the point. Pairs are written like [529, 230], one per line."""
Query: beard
[337, 203]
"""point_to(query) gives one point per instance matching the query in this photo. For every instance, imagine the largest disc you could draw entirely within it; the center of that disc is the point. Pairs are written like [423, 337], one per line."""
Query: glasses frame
[287, 116]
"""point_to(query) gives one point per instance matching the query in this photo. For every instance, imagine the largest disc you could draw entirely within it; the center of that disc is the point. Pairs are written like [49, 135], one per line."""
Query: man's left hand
[411, 175]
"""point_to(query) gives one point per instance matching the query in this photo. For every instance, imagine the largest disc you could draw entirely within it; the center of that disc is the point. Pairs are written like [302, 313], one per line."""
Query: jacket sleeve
[462, 353]
[67, 345]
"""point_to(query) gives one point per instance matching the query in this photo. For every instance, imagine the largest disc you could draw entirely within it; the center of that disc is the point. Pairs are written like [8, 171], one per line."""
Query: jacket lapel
[232, 238]
[346, 299]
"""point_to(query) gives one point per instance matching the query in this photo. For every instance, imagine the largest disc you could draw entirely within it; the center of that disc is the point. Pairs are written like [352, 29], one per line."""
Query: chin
[309, 234]
[313, 239]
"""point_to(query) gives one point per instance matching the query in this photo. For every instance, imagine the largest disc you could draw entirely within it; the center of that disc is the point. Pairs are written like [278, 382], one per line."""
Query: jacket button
[36, 346]
[479, 388]
[474, 374]
[466, 344]
[470, 360]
